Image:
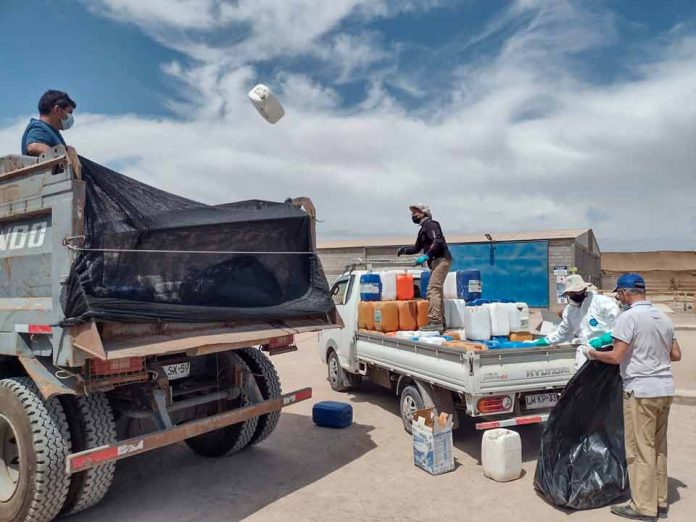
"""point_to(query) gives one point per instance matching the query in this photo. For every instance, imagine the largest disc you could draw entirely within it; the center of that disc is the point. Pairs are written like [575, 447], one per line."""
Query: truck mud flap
[517, 421]
[127, 448]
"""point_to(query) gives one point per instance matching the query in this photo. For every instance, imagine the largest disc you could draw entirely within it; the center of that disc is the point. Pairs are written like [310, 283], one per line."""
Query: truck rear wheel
[34, 442]
[91, 423]
[411, 400]
[234, 438]
[269, 383]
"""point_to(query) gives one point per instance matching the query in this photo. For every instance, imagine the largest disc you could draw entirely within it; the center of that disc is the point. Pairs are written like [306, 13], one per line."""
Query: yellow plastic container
[386, 316]
[366, 315]
[422, 317]
[408, 315]
[465, 345]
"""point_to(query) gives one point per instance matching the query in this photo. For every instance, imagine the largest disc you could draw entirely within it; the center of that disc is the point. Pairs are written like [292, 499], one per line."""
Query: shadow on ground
[150, 486]
[466, 438]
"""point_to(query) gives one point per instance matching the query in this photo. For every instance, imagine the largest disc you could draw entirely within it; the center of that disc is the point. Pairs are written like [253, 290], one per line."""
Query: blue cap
[631, 280]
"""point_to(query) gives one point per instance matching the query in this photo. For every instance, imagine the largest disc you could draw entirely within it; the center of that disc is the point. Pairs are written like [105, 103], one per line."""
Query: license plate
[539, 401]
[177, 371]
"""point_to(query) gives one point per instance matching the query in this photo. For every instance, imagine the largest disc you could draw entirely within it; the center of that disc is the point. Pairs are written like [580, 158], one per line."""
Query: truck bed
[471, 372]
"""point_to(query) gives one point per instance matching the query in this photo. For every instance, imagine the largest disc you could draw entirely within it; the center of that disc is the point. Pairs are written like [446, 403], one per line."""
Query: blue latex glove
[604, 340]
[540, 342]
[421, 259]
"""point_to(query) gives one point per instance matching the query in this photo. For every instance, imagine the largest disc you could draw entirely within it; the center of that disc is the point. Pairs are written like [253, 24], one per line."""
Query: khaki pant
[439, 269]
[645, 427]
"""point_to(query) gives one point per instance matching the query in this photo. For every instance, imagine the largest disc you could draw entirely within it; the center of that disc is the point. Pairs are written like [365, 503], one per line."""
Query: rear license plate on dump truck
[540, 401]
[177, 371]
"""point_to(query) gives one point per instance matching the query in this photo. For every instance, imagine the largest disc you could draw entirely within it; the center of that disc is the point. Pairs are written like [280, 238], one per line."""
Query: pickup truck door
[342, 340]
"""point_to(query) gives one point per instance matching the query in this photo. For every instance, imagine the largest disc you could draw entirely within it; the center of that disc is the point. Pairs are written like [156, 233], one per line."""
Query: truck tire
[269, 383]
[34, 442]
[91, 423]
[410, 401]
[234, 438]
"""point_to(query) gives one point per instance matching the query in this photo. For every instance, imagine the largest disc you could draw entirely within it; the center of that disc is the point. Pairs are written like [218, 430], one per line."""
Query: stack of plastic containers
[387, 302]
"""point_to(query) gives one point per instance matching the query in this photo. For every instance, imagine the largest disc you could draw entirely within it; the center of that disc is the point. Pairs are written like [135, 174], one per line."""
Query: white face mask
[68, 121]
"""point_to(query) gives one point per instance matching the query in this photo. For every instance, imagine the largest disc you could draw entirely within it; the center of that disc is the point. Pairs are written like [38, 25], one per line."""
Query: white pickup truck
[503, 387]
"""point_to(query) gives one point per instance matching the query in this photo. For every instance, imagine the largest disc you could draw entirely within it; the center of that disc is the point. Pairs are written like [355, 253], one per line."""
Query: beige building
[665, 272]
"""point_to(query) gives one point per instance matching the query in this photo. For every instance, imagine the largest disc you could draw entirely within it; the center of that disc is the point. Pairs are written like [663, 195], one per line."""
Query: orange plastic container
[422, 317]
[404, 287]
[387, 316]
[366, 315]
[454, 334]
[521, 336]
[408, 315]
[464, 345]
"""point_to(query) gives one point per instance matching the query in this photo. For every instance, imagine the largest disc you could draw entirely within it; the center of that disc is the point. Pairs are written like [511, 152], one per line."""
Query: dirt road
[306, 473]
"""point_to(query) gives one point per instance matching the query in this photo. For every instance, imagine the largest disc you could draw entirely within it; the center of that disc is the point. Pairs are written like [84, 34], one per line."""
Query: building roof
[457, 238]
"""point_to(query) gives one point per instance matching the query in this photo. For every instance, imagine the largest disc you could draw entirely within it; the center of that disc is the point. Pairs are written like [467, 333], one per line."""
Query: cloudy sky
[501, 115]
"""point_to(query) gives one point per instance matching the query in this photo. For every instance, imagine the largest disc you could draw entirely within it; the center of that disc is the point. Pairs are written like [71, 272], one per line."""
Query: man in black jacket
[431, 242]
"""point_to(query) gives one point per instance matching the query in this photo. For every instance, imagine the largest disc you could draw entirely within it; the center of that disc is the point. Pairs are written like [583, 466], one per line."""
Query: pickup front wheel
[336, 377]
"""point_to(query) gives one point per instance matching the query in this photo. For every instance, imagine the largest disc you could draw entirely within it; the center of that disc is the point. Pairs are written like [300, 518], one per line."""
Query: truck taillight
[127, 365]
[281, 342]
[494, 404]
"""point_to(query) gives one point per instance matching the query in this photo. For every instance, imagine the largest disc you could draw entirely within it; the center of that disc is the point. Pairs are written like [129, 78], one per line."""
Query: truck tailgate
[498, 371]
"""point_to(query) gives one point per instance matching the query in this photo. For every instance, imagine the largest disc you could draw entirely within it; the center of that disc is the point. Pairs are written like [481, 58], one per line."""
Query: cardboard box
[432, 441]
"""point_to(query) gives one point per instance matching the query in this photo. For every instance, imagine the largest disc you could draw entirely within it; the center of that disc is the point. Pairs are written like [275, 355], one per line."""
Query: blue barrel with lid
[424, 281]
[370, 287]
[469, 285]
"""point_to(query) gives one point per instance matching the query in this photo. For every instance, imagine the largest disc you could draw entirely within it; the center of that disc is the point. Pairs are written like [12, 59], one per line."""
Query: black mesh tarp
[189, 284]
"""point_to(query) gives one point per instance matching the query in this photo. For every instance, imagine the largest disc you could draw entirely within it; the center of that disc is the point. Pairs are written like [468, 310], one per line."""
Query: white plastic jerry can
[501, 455]
[268, 106]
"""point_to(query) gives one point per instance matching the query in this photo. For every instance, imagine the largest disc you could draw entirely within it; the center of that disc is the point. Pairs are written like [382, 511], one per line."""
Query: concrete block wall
[334, 260]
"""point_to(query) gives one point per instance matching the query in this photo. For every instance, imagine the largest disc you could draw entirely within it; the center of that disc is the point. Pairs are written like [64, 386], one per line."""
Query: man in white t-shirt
[644, 347]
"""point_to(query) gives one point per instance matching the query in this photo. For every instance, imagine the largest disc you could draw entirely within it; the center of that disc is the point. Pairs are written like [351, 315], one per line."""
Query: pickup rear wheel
[411, 400]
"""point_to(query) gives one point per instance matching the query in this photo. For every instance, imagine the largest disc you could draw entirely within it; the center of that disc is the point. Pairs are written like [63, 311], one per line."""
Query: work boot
[433, 327]
[626, 511]
[662, 511]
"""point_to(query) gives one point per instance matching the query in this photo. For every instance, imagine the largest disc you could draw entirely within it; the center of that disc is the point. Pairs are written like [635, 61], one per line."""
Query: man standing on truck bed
[431, 242]
[55, 114]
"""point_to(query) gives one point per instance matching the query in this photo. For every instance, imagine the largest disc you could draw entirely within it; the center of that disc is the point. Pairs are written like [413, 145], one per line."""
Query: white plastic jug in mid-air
[501, 455]
[268, 106]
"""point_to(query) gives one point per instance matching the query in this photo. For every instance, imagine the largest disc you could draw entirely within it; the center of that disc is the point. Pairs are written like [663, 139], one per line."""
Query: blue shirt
[38, 131]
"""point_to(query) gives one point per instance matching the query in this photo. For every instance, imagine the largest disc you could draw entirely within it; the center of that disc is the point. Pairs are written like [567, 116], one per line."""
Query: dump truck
[79, 393]
[497, 388]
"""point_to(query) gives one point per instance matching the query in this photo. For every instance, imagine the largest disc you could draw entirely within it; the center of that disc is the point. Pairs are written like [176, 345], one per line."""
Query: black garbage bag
[582, 459]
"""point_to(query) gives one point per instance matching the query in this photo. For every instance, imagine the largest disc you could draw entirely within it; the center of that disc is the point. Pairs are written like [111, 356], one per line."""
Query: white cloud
[518, 141]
